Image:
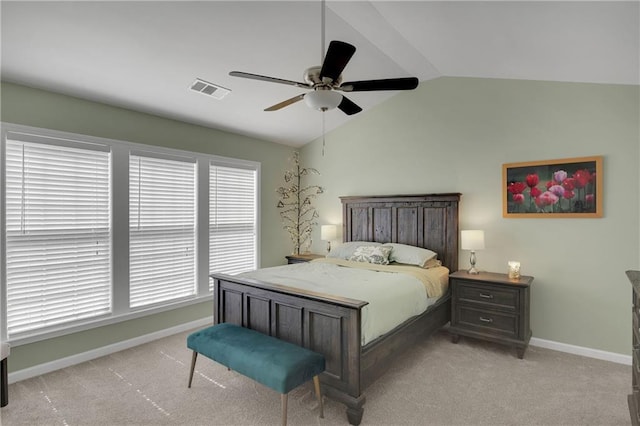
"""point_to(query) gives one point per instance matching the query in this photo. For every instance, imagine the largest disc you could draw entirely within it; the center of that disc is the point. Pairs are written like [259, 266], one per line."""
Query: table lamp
[328, 233]
[472, 240]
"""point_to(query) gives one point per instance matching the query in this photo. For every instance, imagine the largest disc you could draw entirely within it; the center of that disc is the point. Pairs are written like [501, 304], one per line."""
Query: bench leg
[316, 383]
[193, 367]
[284, 409]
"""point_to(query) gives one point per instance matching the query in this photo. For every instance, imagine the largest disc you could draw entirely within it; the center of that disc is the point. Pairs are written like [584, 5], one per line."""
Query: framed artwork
[567, 188]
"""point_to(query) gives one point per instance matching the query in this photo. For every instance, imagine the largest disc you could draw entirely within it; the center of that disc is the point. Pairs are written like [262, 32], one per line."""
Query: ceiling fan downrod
[322, 29]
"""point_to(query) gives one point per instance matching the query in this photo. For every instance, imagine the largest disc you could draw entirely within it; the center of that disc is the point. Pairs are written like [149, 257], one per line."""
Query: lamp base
[472, 261]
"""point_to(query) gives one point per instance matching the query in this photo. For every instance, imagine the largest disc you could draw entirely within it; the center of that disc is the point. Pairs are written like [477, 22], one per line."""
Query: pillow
[346, 250]
[372, 254]
[410, 255]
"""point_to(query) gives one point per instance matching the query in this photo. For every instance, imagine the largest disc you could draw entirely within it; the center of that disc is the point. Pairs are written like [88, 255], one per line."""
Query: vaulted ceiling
[145, 55]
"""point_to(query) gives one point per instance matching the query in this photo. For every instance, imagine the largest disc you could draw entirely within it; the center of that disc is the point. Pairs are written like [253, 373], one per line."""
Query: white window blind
[232, 219]
[162, 217]
[58, 232]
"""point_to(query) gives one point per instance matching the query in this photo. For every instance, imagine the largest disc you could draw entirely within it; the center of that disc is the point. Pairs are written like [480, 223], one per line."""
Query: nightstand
[301, 258]
[491, 307]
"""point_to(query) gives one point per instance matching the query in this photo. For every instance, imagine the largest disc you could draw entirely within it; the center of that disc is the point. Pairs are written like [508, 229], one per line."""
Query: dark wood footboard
[326, 324]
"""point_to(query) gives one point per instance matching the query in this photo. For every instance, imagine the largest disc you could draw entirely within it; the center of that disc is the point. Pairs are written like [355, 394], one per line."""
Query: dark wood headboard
[428, 220]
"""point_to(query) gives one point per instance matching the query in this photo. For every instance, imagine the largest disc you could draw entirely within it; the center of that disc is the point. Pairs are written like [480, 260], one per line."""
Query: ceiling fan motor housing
[312, 77]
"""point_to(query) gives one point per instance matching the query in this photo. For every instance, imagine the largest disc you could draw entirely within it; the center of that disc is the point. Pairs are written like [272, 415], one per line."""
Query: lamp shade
[323, 99]
[472, 240]
[328, 232]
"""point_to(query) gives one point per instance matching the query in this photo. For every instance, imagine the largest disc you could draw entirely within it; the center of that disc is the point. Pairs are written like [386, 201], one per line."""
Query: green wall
[33, 107]
[449, 135]
[454, 134]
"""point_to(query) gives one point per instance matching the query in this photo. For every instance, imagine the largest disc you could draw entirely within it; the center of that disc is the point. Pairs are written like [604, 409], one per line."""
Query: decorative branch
[296, 204]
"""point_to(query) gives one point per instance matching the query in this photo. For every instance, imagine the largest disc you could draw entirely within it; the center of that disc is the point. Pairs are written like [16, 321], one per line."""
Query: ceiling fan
[326, 81]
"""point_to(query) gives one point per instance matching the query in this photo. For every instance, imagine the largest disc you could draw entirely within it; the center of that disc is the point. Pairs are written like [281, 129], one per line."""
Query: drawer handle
[486, 296]
[483, 319]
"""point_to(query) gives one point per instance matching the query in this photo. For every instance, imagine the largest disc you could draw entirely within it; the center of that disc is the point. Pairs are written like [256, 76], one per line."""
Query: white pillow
[410, 255]
[346, 250]
[372, 254]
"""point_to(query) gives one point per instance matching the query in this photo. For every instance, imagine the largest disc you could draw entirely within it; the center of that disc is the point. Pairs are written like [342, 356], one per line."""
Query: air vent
[209, 89]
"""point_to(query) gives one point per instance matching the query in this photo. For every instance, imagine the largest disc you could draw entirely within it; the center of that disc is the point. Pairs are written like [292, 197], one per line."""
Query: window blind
[58, 250]
[162, 217]
[232, 219]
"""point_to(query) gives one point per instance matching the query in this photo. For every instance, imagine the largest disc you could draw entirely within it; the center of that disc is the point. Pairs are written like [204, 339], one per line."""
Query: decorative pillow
[410, 255]
[372, 254]
[346, 250]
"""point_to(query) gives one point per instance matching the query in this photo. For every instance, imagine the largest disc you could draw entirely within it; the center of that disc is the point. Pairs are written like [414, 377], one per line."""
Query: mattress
[394, 293]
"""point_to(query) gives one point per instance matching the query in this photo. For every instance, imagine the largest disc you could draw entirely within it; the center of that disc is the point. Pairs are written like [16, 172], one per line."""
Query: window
[58, 258]
[162, 234]
[232, 219]
[96, 231]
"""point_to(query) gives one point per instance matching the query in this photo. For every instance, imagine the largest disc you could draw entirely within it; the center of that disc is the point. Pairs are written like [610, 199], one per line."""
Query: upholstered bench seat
[277, 364]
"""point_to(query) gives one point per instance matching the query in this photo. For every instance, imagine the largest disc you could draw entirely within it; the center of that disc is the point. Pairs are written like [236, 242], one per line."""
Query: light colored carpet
[434, 383]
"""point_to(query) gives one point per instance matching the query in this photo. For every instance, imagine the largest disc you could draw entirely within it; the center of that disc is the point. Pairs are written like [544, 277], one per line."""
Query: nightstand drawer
[488, 295]
[492, 322]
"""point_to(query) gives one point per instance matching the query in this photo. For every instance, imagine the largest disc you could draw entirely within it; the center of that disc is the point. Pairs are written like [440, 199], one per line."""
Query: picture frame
[562, 188]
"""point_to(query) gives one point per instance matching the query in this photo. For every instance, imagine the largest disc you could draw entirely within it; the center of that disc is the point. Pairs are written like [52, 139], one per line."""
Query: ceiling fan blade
[337, 57]
[266, 78]
[348, 107]
[285, 103]
[408, 83]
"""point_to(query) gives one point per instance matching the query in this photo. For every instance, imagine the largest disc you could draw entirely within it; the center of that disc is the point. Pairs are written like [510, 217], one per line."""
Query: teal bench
[277, 364]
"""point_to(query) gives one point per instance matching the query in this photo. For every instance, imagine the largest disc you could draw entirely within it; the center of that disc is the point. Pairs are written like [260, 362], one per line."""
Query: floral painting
[554, 188]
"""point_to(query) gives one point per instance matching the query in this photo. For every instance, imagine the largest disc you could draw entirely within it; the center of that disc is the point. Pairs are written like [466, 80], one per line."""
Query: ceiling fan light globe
[323, 100]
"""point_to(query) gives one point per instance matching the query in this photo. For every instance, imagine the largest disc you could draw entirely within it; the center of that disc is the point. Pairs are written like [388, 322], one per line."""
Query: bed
[330, 324]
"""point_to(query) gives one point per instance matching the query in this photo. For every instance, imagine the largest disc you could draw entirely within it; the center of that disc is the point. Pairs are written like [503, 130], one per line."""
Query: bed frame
[330, 324]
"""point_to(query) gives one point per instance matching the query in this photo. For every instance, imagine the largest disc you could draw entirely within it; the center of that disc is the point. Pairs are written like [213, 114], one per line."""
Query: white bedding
[393, 297]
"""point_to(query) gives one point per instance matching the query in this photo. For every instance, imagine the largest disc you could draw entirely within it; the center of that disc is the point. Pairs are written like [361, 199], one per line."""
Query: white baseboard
[48, 367]
[580, 350]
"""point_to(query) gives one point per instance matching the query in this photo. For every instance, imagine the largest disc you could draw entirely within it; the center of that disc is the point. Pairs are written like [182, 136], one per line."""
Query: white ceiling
[144, 55]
